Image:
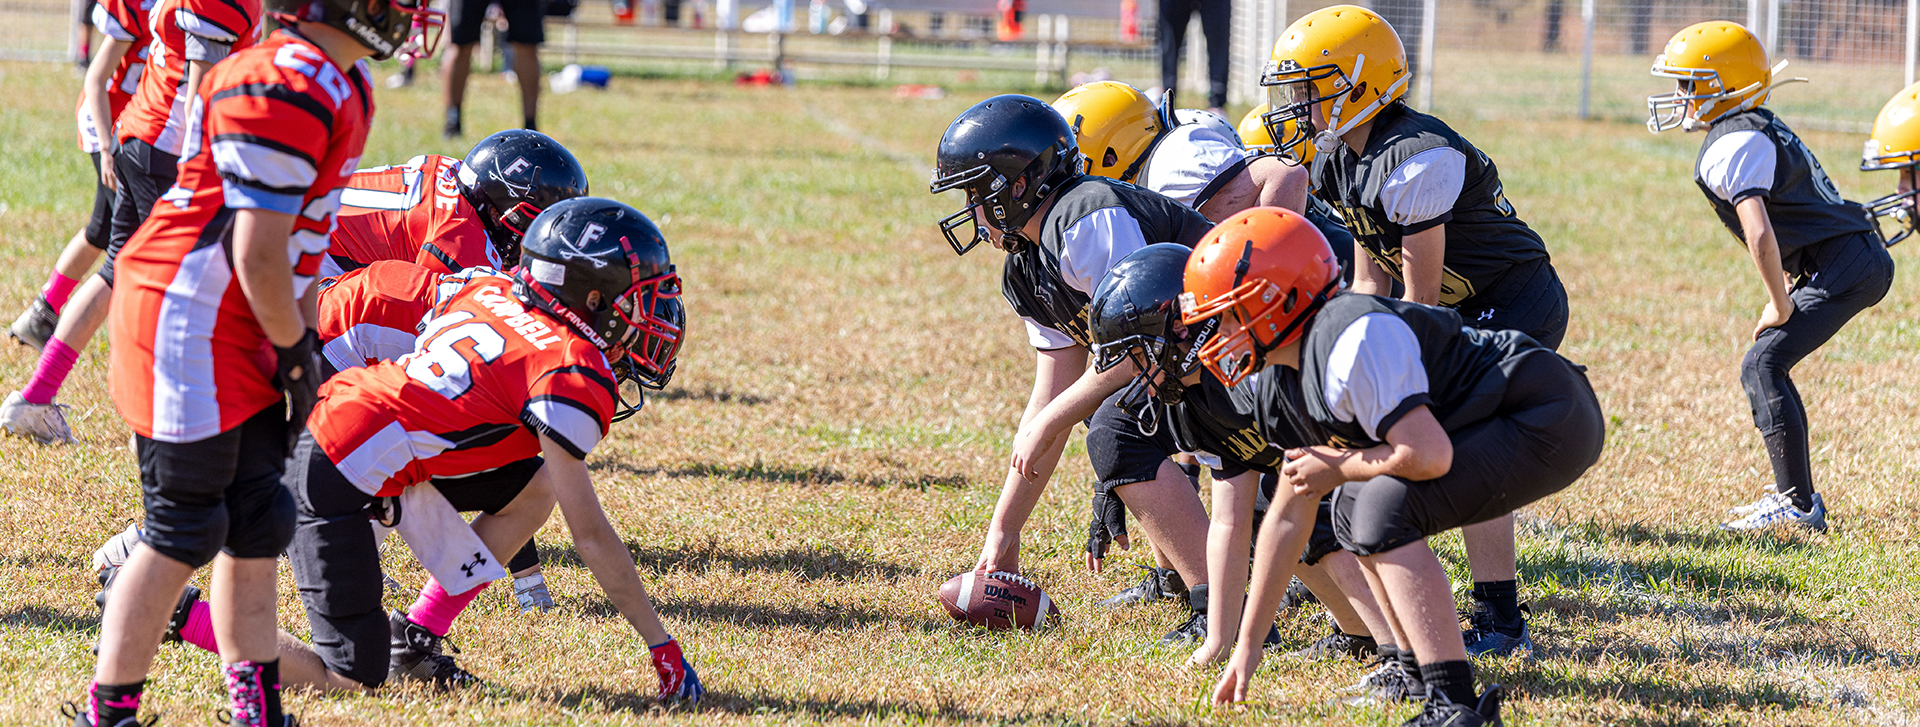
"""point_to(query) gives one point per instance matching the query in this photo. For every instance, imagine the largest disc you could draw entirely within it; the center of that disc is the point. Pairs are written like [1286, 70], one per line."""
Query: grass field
[831, 448]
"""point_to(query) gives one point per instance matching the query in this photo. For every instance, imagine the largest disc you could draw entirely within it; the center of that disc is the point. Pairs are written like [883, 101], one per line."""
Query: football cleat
[1387, 683]
[82, 718]
[42, 423]
[1484, 637]
[415, 654]
[114, 552]
[531, 592]
[1193, 629]
[1159, 583]
[1338, 645]
[1443, 712]
[1752, 507]
[1297, 595]
[106, 563]
[35, 324]
[1774, 509]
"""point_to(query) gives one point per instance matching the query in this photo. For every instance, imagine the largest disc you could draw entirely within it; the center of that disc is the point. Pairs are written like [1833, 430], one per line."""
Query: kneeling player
[1430, 426]
[506, 370]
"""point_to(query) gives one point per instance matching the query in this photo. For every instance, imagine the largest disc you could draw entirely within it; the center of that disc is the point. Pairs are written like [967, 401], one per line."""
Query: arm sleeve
[1374, 374]
[264, 138]
[1094, 244]
[1421, 192]
[1044, 338]
[1739, 165]
[1188, 160]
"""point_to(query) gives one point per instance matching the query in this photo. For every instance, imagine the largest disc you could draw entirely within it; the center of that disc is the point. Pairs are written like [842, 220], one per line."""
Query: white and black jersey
[1093, 223]
[1220, 423]
[1754, 154]
[1416, 174]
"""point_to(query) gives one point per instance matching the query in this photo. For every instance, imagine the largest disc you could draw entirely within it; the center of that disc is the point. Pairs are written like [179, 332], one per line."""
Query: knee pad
[191, 534]
[1370, 518]
[261, 522]
[1762, 383]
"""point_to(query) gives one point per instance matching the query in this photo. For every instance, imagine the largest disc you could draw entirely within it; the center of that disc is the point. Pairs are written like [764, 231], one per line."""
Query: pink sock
[199, 628]
[55, 363]
[436, 609]
[57, 290]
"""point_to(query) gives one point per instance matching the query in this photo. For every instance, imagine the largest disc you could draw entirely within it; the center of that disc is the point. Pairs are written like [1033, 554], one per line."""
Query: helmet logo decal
[519, 164]
[588, 236]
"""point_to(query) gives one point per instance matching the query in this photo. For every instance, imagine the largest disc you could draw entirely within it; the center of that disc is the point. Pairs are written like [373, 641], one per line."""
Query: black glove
[1109, 524]
[299, 377]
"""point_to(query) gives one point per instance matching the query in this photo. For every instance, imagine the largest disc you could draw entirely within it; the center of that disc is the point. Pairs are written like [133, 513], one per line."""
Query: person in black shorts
[1028, 195]
[1818, 256]
[526, 30]
[1427, 425]
[1427, 211]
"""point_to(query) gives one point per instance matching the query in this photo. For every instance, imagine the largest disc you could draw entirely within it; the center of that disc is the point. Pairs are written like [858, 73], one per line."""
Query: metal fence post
[1755, 16]
[886, 44]
[1773, 29]
[1586, 58]
[1913, 37]
[1042, 68]
[572, 40]
[1427, 31]
[723, 48]
[1060, 46]
[75, 30]
[777, 47]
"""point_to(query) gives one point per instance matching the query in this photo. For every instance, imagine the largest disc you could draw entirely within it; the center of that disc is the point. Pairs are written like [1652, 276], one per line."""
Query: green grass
[832, 446]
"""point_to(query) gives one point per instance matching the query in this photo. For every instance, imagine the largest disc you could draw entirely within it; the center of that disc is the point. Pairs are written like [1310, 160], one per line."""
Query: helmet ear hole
[1111, 159]
[1293, 298]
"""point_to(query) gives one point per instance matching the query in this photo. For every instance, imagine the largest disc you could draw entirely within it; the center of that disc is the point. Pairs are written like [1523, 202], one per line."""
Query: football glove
[1109, 524]
[299, 376]
[678, 682]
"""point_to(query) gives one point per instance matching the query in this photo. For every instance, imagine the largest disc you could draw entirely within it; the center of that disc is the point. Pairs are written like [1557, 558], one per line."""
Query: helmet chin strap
[1759, 95]
[1326, 141]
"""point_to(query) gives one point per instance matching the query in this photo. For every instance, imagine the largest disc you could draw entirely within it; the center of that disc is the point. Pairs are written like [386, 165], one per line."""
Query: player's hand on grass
[1772, 316]
[298, 375]
[1313, 470]
[1208, 654]
[1234, 679]
[678, 681]
[1000, 553]
[1109, 526]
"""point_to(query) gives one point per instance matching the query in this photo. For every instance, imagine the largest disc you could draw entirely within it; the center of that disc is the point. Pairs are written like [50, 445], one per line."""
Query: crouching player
[508, 369]
[1429, 425]
[213, 336]
[1135, 323]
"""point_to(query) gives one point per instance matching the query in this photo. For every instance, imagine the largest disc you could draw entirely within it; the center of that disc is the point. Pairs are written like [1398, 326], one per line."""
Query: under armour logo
[478, 561]
[1486, 315]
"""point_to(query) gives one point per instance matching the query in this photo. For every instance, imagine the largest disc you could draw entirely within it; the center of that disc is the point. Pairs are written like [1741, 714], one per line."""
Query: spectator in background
[1214, 18]
[525, 32]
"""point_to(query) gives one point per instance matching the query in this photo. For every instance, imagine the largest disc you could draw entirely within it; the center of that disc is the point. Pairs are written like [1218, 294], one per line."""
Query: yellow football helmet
[1896, 145]
[1253, 133]
[1721, 69]
[1115, 125]
[1344, 59]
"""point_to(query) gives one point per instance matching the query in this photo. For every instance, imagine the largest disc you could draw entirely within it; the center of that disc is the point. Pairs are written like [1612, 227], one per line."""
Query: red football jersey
[373, 314]
[279, 128]
[183, 30]
[125, 21]
[487, 374]
[413, 212]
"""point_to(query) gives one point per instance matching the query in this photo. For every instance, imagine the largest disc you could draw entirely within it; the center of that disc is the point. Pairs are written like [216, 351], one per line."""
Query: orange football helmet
[1266, 270]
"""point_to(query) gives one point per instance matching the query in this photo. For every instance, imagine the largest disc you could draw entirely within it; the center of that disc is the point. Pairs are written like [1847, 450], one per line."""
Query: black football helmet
[510, 177]
[994, 147]
[384, 26]
[589, 245]
[1135, 315]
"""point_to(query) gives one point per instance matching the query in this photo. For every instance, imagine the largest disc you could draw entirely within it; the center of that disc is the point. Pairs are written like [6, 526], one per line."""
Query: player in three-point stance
[1134, 320]
[1818, 256]
[1427, 210]
[188, 38]
[508, 371]
[1016, 161]
[213, 349]
[1428, 426]
[112, 78]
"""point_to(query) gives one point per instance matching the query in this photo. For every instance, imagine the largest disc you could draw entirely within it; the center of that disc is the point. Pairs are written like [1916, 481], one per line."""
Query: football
[998, 600]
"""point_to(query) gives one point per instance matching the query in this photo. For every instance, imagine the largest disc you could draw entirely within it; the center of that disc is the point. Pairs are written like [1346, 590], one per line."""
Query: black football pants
[145, 173]
[1842, 277]
[1172, 34]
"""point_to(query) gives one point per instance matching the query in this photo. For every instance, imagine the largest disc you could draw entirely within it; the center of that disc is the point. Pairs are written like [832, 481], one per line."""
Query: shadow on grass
[1642, 534]
[709, 394]
[785, 474]
[805, 564]
[37, 560]
[48, 619]
[1664, 696]
[721, 703]
[817, 617]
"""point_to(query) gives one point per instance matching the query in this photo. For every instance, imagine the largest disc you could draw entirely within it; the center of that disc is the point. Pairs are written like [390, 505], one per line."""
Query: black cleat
[1159, 583]
[1443, 712]
[1297, 595]
[1339, 645]
[1388, 683]
[1485, 636]
[1195, 627]
[35, 325]
[415, 654]
[81, 718]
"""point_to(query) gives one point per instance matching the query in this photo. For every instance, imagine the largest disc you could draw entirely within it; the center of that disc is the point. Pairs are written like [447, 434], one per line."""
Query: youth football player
[1427, 210]
[1895, 146]
[1817, 255]
[1428, 425]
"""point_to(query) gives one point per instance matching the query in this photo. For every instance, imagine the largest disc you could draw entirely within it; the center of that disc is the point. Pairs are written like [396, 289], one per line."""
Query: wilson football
[998, 600]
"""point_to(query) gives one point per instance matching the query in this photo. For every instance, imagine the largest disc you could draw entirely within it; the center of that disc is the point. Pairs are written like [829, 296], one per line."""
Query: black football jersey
[1031, 279]
[1803, 204]
[1484, 236]
[1216, 420]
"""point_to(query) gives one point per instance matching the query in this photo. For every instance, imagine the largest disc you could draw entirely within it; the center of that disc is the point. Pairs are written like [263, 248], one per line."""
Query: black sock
[115, 702]
[1502, 599]
[1792, 468]
[1451, 678]
[530, 125]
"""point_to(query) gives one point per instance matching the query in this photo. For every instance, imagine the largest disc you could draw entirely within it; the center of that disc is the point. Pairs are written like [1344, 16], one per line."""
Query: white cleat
[532, 594]
[114, 553]
[1776, 509]
[43, 423]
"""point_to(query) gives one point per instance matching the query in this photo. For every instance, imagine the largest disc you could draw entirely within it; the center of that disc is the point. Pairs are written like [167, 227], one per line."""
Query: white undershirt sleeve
[1091, 246]
[1425, 186]
[1739, 163]
[1044, 338]
[1374, 373]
